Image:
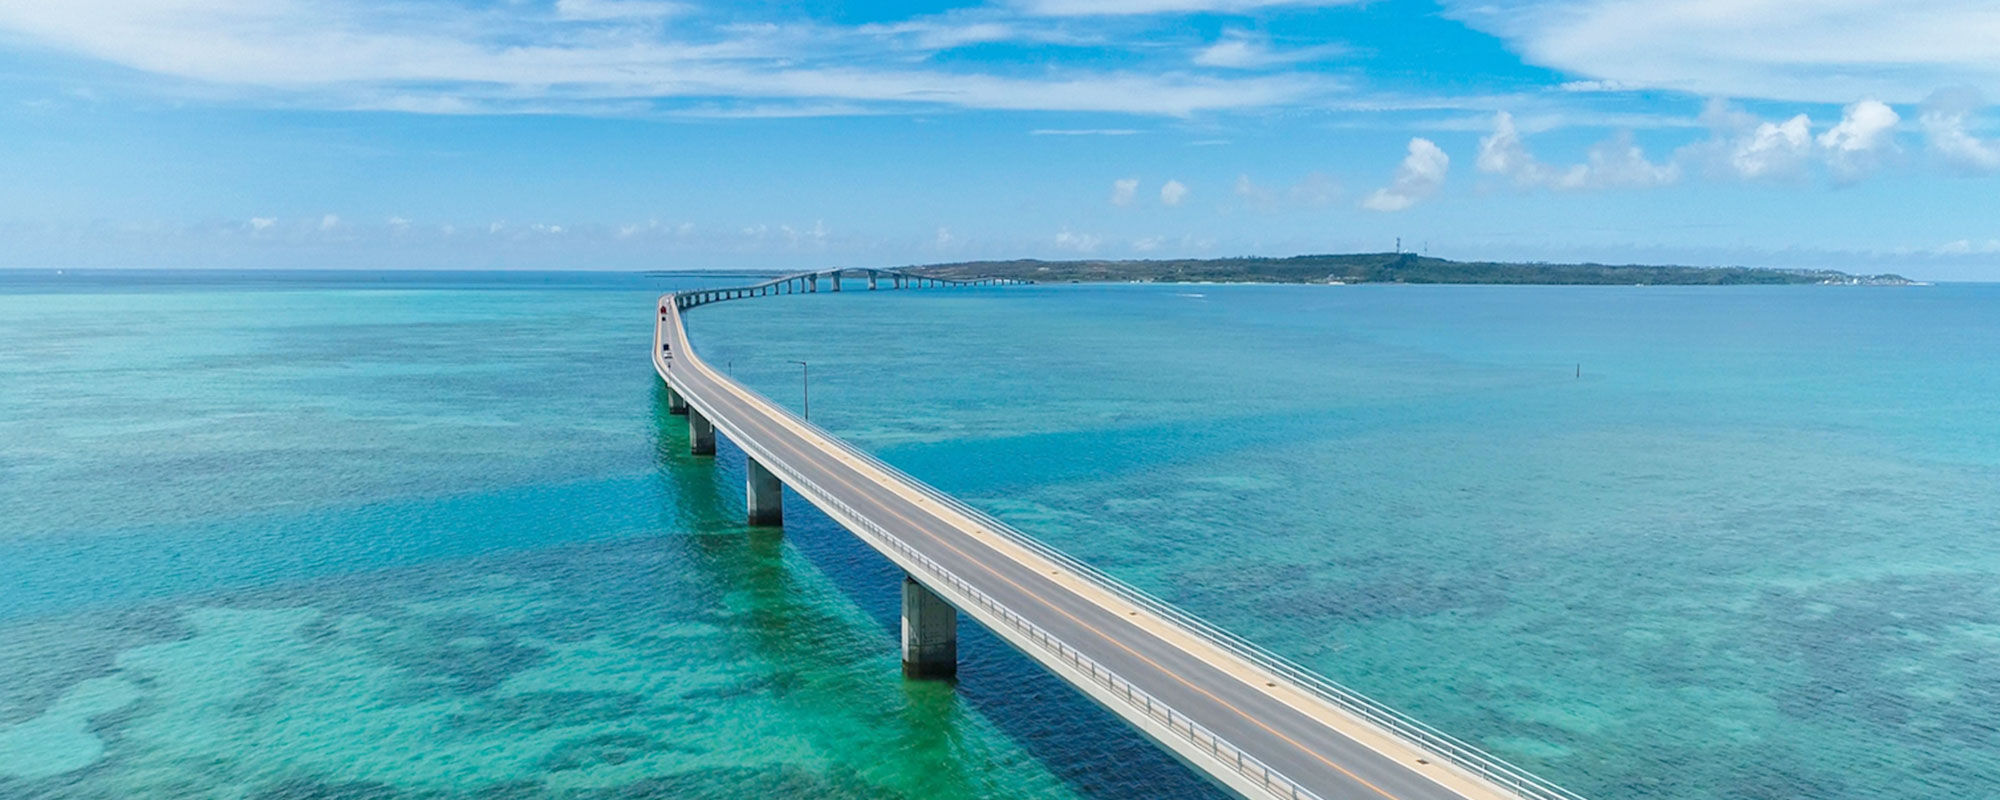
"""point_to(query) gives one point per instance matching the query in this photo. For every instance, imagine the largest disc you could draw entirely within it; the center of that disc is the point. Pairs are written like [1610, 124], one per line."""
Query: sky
[662, 134]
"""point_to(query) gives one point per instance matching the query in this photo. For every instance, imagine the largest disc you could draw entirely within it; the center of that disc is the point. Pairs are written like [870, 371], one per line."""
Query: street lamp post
[805, 387]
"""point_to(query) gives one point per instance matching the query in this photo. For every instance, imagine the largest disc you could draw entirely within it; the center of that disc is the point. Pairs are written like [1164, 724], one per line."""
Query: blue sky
[641, 134]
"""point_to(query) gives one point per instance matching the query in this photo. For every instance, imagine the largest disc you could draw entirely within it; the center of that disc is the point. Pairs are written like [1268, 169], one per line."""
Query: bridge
[807, 282]
[1252, 722]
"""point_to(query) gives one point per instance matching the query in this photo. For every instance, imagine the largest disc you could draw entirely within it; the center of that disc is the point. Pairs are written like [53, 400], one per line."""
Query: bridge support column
[676, 404]
[765, 494]
[871, 281]
[701, 434]
[836, 281]
[930, 633]
[812, 283]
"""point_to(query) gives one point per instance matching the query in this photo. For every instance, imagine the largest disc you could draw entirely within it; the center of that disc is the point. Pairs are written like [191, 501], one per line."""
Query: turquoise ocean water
[434, 535]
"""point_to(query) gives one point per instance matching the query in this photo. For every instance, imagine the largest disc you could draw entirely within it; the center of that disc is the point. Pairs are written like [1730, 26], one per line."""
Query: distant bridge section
[808, 282]
[1247, 719]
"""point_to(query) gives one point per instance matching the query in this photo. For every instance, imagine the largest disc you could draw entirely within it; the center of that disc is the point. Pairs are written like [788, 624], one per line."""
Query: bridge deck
[1197, 696]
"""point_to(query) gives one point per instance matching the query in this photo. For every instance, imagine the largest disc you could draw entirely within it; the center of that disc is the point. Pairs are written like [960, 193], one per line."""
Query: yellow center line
[729, 386]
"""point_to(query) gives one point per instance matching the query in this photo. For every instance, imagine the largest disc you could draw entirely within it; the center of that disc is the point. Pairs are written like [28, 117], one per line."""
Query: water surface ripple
[434, 535]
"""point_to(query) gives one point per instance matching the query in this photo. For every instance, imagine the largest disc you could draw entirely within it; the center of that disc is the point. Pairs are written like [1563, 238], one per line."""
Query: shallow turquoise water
[381, 535]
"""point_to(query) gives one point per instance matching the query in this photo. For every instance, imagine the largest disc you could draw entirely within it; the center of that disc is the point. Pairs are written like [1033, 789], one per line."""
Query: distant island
[1391, 268]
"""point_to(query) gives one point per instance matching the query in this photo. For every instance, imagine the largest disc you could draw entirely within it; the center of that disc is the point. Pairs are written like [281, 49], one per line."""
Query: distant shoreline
[1366, 268]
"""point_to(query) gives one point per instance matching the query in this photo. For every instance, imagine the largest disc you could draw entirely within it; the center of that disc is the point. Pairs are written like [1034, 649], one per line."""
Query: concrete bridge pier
[871, 281]
[701, 434]
[765, 495]
[812, 283]
[676, 404]
[930, 634]
[836, 281]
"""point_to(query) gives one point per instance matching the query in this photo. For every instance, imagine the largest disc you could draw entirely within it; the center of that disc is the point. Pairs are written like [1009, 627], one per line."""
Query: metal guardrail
[1449, 749]
[697, 297]
[1201, 737]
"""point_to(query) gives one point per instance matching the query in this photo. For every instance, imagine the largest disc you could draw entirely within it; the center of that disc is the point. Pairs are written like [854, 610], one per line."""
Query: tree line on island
[1388, 268]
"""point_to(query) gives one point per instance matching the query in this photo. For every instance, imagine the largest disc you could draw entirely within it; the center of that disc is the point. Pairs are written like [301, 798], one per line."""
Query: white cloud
[1615, 162]
[606, 10]
[944, 239]
[1744, 146]
[1173, 192]
[261, 223]
[329, 222]
[1418, 177]
[1968, 247]
[1551, 119]
[1082, 132]
[1081, 243]
[1078, 8]
[961, 27]
[1146, 245]
[793, 238]
[452, 59]
[1249, 190]
[945, 35]
[1595, 86]
[1619, 161]
[1773, 149]
[1944, 122]
[1123, 190]
[1865, 133]
[1241, 50]
[1829, 51]
[650, 230]
[1312, 191]
[1502, 152]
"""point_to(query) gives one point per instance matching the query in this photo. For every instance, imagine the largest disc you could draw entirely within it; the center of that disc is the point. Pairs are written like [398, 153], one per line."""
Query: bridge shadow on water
[829, 660]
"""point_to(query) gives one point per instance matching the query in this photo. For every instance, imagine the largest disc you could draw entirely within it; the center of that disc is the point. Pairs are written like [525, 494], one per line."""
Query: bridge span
[1251, 721]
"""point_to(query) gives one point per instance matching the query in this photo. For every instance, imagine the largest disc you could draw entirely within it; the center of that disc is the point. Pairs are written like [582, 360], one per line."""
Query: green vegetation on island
[1390, 268]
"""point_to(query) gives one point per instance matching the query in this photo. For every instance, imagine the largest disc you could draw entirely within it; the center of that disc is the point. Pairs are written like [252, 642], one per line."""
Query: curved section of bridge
[1249, 720]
